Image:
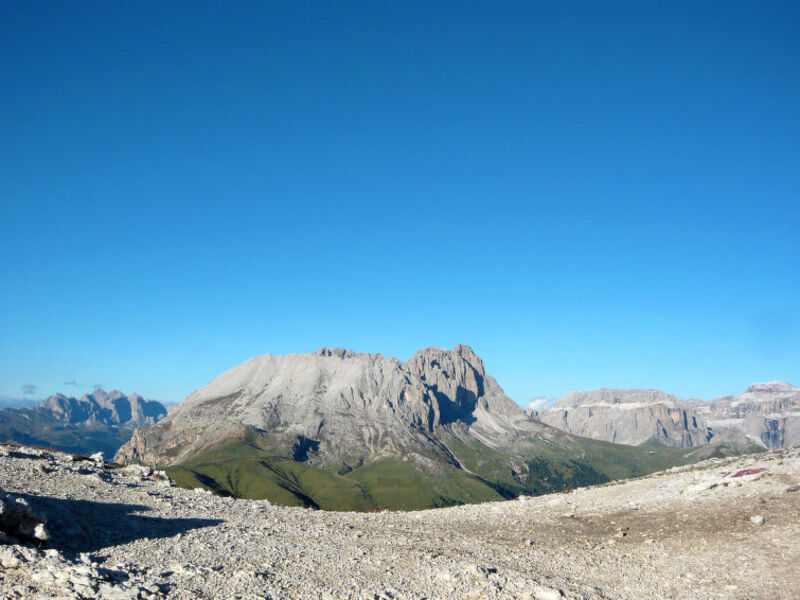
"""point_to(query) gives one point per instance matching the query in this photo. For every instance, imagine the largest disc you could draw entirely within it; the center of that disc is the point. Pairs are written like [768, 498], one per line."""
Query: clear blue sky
[589, 194]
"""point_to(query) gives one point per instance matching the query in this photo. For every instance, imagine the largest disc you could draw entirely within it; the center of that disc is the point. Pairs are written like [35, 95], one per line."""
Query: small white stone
[545, 593]
[40, 533]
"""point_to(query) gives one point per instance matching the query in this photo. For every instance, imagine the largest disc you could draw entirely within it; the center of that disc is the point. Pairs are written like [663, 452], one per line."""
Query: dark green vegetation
[250, 468]
[244, 469]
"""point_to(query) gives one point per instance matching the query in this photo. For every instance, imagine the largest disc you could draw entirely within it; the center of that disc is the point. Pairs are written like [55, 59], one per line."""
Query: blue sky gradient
[589, 194]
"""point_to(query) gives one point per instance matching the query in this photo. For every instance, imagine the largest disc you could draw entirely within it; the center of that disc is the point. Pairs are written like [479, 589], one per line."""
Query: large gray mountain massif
[100, 421]
[338, 407]
[341, 429]
[767, 414]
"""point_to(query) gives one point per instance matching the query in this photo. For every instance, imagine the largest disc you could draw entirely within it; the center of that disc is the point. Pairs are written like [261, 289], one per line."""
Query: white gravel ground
[692, 533]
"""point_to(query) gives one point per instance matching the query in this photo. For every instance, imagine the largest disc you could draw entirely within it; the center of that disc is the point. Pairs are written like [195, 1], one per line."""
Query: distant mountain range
[766, 413]
[100, 421]
[18, 402]
[345, 430]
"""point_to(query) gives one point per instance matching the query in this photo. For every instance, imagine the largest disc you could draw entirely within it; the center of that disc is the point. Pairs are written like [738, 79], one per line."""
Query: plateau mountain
[767, 414]
[627, 417]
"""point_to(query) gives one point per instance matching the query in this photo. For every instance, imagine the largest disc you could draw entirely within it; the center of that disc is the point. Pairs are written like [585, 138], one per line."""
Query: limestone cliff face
[342, 406]
[627, 417]
[767, 412]
[110, 408]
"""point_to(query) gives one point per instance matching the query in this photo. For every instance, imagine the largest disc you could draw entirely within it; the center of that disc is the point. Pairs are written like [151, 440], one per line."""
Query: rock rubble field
[82, 528]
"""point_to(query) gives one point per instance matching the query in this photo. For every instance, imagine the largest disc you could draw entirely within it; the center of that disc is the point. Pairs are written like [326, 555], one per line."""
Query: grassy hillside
[397, 485]
[241, 468]
[252, 467]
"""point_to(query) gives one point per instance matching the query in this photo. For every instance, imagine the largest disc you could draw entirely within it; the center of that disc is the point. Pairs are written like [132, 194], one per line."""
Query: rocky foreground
[726, 528]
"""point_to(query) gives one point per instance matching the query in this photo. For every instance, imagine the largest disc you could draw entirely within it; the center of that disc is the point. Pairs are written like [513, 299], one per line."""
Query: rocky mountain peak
[54, 402]
[111, 408]
[336, 352]
[467, 353]
[772, 387]
[455, 377]
[441, 359]
[96, 421]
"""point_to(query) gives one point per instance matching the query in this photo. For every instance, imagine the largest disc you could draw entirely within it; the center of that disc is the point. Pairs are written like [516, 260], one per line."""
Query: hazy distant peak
[614, 396]
[539, 403]
[772, 387]
[767, 413]
[98, 421]
[627, 416]
[112, 407]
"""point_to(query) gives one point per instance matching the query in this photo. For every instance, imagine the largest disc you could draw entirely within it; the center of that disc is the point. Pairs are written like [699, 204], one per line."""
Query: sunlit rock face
[346, 407]
[767, 412]
[627, 417]
[111, 408]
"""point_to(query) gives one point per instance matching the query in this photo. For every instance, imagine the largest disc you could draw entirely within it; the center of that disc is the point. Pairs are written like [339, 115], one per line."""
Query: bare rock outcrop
[627, 417]
[767, 412]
